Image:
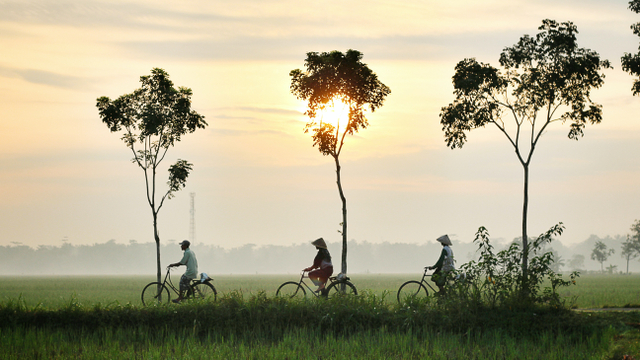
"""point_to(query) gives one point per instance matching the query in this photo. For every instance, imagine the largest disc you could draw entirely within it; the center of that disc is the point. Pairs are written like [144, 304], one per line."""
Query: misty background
[112, 258]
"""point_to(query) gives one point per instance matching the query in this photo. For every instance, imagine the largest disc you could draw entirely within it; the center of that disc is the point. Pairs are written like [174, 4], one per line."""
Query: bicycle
[414, 289]
[339, 285]
[158, 292]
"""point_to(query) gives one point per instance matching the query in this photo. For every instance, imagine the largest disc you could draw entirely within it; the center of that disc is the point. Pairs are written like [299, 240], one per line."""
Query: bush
[497, 279]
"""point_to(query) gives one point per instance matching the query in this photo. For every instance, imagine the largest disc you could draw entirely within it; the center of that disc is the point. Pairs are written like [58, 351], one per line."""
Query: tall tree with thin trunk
[331, 78]
[153, 118]
[544, 79]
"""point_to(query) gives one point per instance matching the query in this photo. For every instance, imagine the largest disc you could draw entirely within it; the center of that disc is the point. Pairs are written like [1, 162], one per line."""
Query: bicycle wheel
[341, 288]
[155, 293]
[412, 289]
[203, 291]
[291, 290]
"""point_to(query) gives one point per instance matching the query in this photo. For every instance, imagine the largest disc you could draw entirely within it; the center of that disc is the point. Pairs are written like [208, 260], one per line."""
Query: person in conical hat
[444, 265]
[322, 267]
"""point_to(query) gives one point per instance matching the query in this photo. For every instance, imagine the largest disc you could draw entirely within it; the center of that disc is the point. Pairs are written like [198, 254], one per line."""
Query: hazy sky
[256, 176]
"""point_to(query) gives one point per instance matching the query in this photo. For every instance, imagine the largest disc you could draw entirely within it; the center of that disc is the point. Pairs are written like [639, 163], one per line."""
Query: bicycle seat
[339, 277]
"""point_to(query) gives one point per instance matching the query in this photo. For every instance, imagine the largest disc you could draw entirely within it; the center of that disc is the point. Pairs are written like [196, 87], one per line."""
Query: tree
[635, 231]
[631, 247]
[631, 62]
[154, 117]
[630, 250]
[544, 79]
[332, 77]
[601, 254]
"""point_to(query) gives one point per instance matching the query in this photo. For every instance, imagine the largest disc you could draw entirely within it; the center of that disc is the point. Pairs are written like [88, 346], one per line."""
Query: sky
[257, 179]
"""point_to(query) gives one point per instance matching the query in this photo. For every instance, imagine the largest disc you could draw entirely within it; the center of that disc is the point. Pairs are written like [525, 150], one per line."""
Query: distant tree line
[112, 258]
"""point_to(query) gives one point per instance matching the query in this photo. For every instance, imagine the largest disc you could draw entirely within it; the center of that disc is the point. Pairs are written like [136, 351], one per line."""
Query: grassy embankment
[99, 322]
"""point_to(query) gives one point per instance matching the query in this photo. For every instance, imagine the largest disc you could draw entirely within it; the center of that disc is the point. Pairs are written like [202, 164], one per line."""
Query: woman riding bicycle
[322, 262]
[444, 265]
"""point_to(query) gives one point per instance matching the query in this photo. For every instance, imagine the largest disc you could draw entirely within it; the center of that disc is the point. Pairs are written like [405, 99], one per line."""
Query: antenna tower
[192, 219]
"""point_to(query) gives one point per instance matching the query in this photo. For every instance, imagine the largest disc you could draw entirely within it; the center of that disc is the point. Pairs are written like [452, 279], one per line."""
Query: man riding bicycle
[188, 259]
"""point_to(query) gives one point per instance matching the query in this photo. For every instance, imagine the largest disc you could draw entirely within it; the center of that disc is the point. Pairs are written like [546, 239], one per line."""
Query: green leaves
[156, 109]
[631, 62]
[153, 118]
[334, 76]
[178, 174]
[548, 71]
[497, 277]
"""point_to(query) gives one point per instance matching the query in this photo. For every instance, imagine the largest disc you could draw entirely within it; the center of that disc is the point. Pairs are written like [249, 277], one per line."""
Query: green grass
[308, 344]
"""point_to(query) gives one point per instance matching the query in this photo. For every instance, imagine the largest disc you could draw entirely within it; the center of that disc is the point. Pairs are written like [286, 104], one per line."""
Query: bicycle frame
[425, 282]
[301, 282]
[169, 284]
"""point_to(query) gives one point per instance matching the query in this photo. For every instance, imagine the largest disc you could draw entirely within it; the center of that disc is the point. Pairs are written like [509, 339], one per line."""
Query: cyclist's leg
[185, 284]
[313, 276]
[319, 277]
[439, 278]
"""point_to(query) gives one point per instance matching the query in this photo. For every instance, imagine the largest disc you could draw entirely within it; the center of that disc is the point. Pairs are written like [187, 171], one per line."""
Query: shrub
[496, 279]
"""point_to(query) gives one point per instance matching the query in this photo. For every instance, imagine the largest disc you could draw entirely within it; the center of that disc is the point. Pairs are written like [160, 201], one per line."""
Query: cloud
[427, 47]
[42, 77]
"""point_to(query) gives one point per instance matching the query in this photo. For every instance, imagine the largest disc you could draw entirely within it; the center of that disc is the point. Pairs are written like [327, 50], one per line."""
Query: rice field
[591, 291]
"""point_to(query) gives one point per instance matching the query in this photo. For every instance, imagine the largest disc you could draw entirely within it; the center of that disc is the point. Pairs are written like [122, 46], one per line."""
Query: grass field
[102, 318]
[591, 291]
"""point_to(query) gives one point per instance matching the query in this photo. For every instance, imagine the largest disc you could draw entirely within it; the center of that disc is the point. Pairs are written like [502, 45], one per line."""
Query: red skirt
[322, 274]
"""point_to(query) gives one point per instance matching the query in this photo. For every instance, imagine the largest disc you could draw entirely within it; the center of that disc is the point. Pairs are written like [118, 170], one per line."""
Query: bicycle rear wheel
[412, 290]
[291, 290]
[341, 288]
[155, 293]
[204, 291]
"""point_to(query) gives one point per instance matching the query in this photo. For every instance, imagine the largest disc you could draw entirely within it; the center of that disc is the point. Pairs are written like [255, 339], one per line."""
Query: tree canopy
[336, 76]
[631, 62]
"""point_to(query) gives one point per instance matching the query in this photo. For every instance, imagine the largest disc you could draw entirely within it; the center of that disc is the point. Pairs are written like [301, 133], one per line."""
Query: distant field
[592, 291]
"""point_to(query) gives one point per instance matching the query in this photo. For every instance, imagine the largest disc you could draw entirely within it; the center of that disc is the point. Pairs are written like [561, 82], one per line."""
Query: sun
[336, 113]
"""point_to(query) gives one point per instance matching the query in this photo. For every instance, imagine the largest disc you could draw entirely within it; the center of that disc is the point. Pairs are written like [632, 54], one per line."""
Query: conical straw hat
[444, 239]
[319, 243]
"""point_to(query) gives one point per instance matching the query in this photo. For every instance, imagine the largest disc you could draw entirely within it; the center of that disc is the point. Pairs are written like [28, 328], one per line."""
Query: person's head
[319, 243]
[444, 240]
[185, 244]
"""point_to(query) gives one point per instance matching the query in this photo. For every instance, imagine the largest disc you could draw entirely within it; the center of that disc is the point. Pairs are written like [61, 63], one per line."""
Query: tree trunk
[157, 239]
[344, 218]
[627, 265]
[525, 239]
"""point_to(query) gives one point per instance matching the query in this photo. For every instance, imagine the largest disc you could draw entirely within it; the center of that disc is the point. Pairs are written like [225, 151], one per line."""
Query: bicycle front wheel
[291, 290]
[341, 288]
[204, 291]
[155, 293]
[412, 290]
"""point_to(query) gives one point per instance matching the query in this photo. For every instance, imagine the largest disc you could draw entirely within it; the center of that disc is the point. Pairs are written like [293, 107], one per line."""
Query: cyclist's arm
[316, 264]
[440, 261]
